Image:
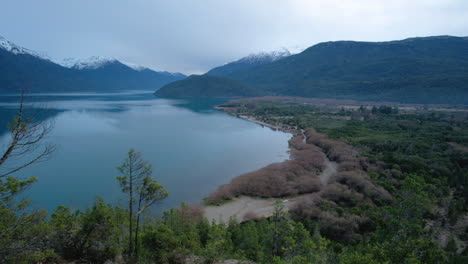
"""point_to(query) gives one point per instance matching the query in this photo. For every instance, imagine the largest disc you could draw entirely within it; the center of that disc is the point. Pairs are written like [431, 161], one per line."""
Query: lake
[193, 147]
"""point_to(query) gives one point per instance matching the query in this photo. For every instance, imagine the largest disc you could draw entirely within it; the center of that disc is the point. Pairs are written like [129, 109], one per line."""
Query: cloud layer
[192, 36]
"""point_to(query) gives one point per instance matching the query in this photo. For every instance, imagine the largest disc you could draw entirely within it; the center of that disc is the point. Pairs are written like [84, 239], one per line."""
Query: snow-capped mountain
[15, 49]
[93, 62]
[135, 66]
[96, 62]
[265, 56]
[251, 61]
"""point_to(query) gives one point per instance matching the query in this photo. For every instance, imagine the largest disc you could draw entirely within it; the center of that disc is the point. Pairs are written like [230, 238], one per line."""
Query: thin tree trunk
[14, 142]
[137, 227]
[8, 151]
[83, 243]
[130, 240]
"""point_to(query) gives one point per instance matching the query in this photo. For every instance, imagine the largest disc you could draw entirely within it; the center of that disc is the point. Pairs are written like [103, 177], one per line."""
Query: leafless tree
[25, 146]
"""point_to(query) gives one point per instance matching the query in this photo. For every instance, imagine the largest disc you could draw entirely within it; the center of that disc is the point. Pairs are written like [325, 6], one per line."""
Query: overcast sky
[192, 36]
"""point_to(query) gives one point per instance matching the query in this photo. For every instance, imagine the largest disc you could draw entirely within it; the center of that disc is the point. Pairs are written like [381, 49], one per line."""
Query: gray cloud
[192, 36]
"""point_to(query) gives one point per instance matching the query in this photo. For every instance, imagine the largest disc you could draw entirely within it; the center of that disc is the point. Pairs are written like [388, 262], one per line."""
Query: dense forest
[415, 70]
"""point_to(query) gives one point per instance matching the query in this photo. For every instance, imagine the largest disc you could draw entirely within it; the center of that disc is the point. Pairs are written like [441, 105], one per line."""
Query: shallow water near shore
[193, 147]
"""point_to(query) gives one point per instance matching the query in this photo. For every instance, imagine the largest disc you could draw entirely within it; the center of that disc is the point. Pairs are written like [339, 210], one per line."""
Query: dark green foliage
[177, 236]
[24, 235]
[160, 244]
[93, 235]
[420, 144]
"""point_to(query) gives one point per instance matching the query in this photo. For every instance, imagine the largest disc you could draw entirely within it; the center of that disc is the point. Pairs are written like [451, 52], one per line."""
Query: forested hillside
[415, 70]
[206, 86]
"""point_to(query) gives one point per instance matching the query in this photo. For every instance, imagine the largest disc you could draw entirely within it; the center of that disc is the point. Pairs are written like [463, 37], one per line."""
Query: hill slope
[416, 70]
[206, 86]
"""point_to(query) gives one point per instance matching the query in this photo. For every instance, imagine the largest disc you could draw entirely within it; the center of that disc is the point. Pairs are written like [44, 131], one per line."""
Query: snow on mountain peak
[134, 66]
[96, 62]
[266, 56]
[15, 49]
[93, 62]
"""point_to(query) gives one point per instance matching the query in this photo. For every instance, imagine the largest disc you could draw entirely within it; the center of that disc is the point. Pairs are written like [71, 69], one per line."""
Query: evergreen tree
[143, 192]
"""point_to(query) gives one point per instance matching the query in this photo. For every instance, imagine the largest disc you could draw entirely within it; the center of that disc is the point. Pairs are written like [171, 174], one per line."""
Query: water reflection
[192, 147]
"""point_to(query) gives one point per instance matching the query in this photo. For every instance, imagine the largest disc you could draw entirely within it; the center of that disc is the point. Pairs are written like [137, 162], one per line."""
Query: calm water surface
[193, 148]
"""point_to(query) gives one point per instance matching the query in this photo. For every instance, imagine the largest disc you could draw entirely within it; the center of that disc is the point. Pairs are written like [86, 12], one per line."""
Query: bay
[192, 147]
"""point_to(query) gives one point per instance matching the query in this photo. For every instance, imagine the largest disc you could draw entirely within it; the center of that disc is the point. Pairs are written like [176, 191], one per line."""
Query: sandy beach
[243, 207]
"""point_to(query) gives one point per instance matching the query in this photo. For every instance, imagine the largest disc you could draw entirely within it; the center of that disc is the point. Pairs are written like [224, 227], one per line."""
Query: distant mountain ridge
[414, 70]
[21, 68]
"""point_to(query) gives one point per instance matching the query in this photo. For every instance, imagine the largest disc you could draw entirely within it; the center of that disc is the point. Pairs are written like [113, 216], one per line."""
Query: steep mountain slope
[416, 70]
[15, 49]
[206, 86]
[21, 68]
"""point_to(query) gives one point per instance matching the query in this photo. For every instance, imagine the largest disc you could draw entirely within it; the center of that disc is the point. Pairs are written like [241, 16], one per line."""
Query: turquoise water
[193, 147]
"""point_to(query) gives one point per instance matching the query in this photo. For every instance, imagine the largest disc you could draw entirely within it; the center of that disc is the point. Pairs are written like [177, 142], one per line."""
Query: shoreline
[253, 119]
[243, 208]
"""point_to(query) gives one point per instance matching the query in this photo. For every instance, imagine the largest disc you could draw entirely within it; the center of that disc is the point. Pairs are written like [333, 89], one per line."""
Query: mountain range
[21, 68]
[414, 70]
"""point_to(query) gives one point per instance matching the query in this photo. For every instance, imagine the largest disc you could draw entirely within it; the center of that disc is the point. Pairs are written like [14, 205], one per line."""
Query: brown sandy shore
[241, 207]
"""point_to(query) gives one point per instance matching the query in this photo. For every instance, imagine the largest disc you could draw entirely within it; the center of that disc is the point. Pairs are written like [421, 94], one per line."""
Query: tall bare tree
[143, 192]
[24, 147]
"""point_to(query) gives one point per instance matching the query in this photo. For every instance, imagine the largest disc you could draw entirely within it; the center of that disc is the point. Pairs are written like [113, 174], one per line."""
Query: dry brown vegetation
[298, 175]
[360, 182]
[338, 151]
